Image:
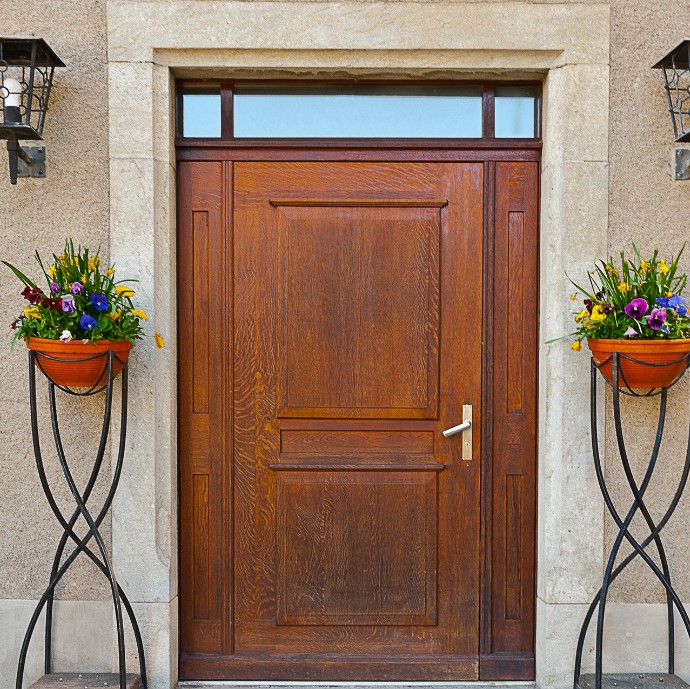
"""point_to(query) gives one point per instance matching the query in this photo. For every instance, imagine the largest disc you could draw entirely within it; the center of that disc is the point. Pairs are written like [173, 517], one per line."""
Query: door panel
[331, 327]
[346, 548]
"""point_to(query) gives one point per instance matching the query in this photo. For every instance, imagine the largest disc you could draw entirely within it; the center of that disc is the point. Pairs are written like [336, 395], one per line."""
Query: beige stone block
[388, 63]
[82, 638]
[131, 98]
[573, 234]
[579, 32]
[159, 625]
[558, 627]
[575, 114]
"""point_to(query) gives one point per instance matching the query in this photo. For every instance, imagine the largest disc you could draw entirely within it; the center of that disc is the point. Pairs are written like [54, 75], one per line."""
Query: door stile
[487, 399]
[229, 403]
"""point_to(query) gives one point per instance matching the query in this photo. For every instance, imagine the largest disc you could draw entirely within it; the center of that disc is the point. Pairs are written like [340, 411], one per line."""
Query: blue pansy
[663, 302]
[99, 302]
[87, 322]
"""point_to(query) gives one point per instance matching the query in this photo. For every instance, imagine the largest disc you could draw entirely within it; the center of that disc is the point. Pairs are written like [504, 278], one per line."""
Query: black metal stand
[663, 574]
[81, 545]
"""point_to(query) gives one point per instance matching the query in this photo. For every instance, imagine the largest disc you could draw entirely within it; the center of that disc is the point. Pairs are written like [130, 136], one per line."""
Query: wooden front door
[332, 319]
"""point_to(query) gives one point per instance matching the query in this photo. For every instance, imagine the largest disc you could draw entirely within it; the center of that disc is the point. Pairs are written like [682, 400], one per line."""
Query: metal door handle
[457, 429]
[466, 429]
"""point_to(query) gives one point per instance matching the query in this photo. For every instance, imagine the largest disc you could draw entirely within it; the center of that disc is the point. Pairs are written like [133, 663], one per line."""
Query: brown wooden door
[328, 529]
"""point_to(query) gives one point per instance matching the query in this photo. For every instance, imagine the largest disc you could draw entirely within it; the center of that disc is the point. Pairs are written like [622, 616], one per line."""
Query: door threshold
[275, 684]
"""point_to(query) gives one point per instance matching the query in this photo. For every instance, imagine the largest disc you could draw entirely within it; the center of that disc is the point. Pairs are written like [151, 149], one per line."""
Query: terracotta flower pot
[65, 369]
[639, 375]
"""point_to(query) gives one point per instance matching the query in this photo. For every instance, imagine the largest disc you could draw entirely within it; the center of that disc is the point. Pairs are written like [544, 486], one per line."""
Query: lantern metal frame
[32, 62]
[675, 68]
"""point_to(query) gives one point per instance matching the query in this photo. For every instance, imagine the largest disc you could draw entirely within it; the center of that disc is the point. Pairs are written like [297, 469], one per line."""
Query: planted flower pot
[69, 363]
[645, 368]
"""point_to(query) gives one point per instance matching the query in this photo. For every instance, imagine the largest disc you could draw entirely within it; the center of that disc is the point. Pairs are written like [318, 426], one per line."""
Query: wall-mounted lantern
[26, 76]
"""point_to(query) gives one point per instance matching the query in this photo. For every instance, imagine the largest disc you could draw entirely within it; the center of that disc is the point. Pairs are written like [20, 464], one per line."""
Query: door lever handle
[457, 429]
[466, 429]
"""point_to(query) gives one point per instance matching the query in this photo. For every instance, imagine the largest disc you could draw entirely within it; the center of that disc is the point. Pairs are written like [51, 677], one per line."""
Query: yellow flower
[83, 279]
[598, 314]
[576, 346]
[32, 312]
[663, 268]
[92, 265]
[75, 261]
[608, 268]
[140, 314]
[160, 342]
[53, 271]
[124, 291]
[580, 316]
[116, 315]
[573, 297]
[623, 287]
[62, 257]
[110, 272]
[644, 267]
[669, 294]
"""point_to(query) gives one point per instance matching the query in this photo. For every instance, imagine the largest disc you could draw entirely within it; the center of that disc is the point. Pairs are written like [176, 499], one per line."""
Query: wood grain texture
[321, 517]
[289, 260]
[201, 345]
[514, 392]
[357, 312]
[343, 561]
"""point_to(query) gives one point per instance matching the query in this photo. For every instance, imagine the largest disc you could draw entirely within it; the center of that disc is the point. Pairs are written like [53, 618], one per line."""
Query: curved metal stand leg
[81, 545]
[623, 525]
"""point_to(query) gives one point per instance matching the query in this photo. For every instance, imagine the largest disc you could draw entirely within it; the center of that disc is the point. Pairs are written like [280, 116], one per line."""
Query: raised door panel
[373, 354]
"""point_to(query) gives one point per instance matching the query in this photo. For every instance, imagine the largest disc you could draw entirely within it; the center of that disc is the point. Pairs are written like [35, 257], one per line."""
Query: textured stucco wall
[38, 214]
[647, 208]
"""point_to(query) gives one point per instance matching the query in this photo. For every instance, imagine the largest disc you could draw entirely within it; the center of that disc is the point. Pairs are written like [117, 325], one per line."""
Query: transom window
[451, 110]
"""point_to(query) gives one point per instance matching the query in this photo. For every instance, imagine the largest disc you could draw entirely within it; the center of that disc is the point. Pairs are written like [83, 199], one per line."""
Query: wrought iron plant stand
[98, 556]
[598, 680]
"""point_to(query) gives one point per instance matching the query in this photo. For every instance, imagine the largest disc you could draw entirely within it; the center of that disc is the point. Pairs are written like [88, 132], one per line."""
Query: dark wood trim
[507, 666]
[369, 155]
[226, 114]
[361, 203]
[489, 111]
[367, 144]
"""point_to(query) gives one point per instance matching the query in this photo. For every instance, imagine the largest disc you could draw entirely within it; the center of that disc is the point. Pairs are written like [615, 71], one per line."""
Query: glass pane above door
[516, 112]
[201, 115]
[358, 111]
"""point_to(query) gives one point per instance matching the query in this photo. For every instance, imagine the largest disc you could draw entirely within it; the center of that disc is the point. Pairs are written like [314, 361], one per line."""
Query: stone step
[85, 680]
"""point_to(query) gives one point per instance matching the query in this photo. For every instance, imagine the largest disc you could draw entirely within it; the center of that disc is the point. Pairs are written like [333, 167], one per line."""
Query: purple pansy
[54, 288]
[656, 318]
[87, 322]
[77, 288]
[99, 302]
[66, 336]
[636, 308]
[631, 332]
[68, 305]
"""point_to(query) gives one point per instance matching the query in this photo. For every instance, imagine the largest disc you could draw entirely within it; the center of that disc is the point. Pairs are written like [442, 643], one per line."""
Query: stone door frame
[566, 45]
